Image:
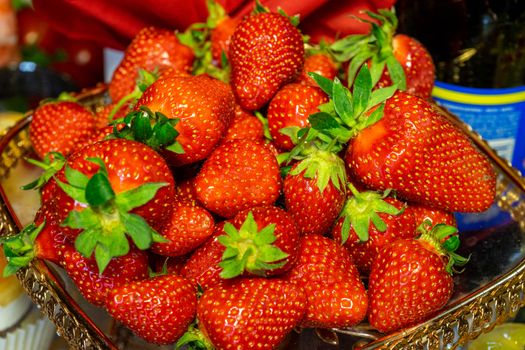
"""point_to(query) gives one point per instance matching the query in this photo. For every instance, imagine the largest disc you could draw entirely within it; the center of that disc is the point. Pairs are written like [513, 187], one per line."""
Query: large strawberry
[411, 278]
[266, 52]
[57, 126]
[110, 190]
[247, 313]
[393, 58]
[336, 296]
[238, 175]
[151, 49]
[158, 309]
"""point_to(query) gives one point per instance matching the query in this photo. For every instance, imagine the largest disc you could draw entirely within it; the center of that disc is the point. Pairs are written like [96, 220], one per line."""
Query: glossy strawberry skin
[238, 175]
[157, 309]
[189, 226]
[436, 216]
[417, 64]
[204, 106]
[336, 296]
[318, 63]
[266, 51]
[291, 106]
[51, 242]
[313, 211]
[416, 151]
[408, 284]
[221, 37]
[95, 286]
[250, 313]
[397, 227]
[58, 126]
[152, 48]
[244, 126]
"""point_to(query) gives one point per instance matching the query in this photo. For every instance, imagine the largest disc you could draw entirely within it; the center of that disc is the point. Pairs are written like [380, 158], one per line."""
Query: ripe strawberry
[185, 191]
[151, 49]
[58, 126]
[113, 189]
[266, 52]
[204, 107]
[336, 296]
[189, 226]
[238, 175]
[319, 63]
[417, 152]
[369, 221]
[261, 241]
[314, 192]
[249, 313]
[393, 58]
[290, 108]
[244, 126]
[157, 309]
[411, 279]
[95, 285]
[435, 216]
[221, 37]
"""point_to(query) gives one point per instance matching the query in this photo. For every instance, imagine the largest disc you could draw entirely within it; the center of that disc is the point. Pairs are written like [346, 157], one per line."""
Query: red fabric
[112, 23]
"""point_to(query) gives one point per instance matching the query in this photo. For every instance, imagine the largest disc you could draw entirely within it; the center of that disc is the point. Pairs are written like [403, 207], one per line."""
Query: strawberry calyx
[51, 164]
[443, 239]
[375, 47]
[260, 8]
[362, 209]
[19, 249]
[194, 339]
[105, 220]
[250, 250]
[62, 97]
[153, 129]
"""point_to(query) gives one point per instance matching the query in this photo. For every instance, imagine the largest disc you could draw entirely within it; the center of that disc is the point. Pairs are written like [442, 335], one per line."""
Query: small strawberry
[411, 278]
[185, 191]
[261, 241]
[158, 309]
[369, 221]
[290, 108]
[189, 226]
[246, 313]
[320, 63]
[336, 296]
[435, 216]
[238, 175]
[266, 52]
[151, 49]
[57, 126]
[244, 126]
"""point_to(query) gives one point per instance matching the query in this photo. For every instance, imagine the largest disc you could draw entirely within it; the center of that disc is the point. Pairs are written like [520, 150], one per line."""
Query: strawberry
[415, 150]
[244, 126]
[336, 296]
[185, 192]
[189, 226]
[369, 221]
[393, 58]
[435, 216]
[247, 314]
[220, 37]
[151, 49]
[204, 107]
[110, 190]
[290, 108]
[158, 309]
[320, 63]
[238, 175]
[266, 52]
[261, 241]
[57, 126]
[411, 279]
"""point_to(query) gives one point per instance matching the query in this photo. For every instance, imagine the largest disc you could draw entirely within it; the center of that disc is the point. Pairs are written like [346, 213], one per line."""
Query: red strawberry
[151, 49]
[436, 216]
[290, 108]
[204, 107]
[411, 279]
[221, 36]
[266, 52]
[113, 189]
[93, 284]
[189, 226]
[261, 241]
[244, 126]
[58, 126]
[415, 150]
[319, 63]
[314, 192]
[336, 296]
[238, 175]
[249, 313]
[369, 221]
[158, 309]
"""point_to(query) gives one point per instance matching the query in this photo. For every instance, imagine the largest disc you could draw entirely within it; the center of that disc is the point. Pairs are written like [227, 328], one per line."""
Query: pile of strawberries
[243, 183]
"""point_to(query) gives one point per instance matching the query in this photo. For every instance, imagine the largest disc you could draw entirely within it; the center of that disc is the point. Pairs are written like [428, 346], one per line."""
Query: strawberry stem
[52, 162]
[19, 249]
[194, 339]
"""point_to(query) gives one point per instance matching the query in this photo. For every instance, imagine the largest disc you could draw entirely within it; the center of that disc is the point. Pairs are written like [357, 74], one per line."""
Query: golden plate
[490, 290]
